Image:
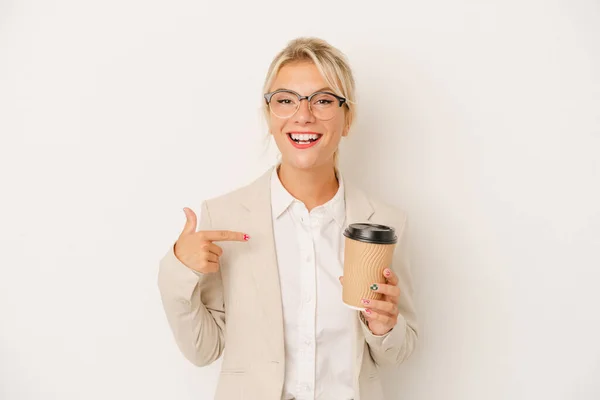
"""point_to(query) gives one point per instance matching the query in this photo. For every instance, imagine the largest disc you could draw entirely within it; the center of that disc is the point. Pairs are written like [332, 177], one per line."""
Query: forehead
[301, 77]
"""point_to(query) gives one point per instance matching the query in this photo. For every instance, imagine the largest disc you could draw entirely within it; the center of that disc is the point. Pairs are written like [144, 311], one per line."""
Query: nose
[304, 115]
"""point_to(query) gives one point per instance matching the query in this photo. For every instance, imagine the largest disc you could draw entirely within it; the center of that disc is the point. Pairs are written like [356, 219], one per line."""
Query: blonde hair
[331, 63]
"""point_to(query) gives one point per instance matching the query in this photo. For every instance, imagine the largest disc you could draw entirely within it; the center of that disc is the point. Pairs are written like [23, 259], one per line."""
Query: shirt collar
[281, 199]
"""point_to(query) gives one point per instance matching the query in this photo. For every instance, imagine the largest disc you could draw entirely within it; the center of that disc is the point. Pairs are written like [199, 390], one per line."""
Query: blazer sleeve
[397, 345]
[194, 305]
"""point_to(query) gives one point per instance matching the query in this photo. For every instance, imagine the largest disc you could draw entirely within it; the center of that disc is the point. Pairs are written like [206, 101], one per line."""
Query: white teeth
[304, 137]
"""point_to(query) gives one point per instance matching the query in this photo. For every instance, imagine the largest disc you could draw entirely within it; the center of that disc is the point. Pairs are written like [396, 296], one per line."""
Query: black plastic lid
[371, 233]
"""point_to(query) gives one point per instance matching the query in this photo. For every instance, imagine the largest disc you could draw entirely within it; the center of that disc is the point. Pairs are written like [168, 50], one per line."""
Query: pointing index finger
[222, 236]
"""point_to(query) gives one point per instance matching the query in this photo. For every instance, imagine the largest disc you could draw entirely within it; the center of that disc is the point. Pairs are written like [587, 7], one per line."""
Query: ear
[347, 123]
[346, 130]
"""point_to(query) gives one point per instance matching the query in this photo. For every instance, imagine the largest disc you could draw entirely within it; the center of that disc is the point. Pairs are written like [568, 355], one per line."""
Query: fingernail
[246, 237]
[368, 311]
[374, 286]
[365, 301]
[387, 272]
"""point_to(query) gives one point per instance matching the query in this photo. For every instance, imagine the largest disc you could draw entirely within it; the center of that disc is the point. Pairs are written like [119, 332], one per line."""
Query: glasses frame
[268, 96]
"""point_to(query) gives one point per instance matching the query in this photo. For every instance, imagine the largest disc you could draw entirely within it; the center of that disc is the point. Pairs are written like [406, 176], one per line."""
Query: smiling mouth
[304, 138]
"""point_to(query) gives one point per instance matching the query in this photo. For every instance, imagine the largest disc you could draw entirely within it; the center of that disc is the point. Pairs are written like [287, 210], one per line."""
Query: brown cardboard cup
[368, 251]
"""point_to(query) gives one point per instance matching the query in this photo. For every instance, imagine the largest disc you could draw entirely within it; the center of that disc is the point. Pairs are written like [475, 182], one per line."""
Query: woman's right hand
[196, 249]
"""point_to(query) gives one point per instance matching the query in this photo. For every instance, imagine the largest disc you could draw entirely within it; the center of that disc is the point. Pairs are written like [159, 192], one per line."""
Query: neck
[313, 187]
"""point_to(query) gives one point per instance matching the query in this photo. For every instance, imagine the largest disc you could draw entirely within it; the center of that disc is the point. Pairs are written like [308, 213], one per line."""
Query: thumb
[191, 221]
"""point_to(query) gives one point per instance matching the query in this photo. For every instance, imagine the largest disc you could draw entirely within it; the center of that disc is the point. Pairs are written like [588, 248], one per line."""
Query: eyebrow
[323, 89]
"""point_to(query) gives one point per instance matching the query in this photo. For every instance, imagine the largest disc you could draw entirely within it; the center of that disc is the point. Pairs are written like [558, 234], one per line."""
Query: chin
[303, 161]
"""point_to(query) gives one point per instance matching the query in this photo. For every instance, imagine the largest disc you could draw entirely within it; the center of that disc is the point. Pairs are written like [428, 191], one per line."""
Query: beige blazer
[237, 312]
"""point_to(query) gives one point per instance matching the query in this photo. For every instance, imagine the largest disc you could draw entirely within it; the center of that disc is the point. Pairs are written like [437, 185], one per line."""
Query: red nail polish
[387, 272]
[365, 301]
[246, 237]
[368, 311]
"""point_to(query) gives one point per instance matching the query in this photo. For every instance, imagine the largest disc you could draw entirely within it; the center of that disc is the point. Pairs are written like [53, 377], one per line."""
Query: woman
[268, 295]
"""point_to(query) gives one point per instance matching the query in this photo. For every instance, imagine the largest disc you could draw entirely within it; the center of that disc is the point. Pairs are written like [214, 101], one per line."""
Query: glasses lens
[324, 106]
[284, 104]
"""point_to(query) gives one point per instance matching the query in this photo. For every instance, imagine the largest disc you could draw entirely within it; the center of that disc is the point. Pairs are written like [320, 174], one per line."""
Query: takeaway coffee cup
[368, 251]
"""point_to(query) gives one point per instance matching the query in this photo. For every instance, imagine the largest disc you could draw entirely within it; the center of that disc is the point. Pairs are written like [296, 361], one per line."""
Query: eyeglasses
[284, 103]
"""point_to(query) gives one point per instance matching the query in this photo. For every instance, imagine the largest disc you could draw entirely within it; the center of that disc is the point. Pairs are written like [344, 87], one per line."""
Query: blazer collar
[358, 206]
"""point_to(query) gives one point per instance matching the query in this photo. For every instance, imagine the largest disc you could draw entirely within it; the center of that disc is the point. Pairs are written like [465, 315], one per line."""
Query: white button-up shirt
[319, 328]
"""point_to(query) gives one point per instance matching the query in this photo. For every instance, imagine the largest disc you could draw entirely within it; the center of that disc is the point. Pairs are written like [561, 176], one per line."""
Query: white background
[480, 118]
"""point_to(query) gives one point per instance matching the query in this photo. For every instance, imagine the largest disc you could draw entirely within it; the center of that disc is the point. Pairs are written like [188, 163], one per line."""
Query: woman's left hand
[382, 315]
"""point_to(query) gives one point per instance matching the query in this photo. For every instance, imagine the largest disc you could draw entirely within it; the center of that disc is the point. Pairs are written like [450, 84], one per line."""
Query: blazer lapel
[257, 201]
[358, 209]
